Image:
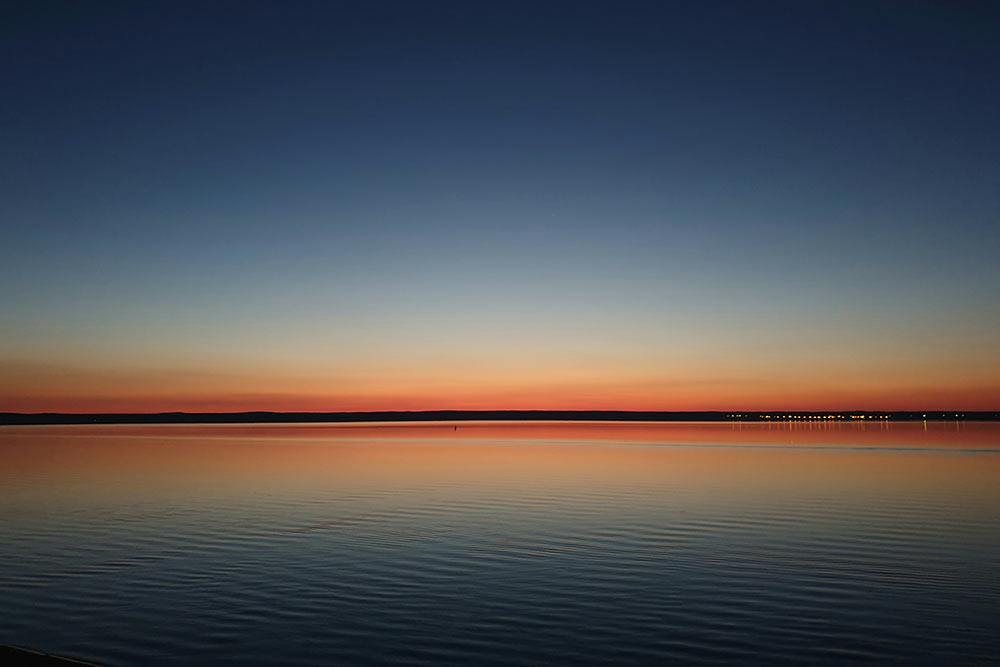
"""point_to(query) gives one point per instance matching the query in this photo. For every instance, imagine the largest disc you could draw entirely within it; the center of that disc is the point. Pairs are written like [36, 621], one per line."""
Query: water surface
[511, 543]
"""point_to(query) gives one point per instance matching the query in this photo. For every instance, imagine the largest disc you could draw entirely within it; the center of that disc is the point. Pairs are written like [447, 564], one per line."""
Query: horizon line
[266, 416]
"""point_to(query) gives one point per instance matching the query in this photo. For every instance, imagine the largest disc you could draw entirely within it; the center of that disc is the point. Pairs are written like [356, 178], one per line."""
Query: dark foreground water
[527, 544]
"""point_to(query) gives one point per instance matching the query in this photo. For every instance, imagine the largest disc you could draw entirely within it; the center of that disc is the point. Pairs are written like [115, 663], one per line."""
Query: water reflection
[502, 543]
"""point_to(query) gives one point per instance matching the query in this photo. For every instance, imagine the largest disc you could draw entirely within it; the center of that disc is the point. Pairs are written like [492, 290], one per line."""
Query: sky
[499, 205]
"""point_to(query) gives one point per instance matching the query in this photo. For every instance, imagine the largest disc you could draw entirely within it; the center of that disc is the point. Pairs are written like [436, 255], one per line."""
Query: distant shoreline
[26, 419]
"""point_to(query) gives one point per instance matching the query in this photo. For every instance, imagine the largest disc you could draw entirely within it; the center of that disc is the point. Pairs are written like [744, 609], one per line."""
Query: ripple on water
[575, 555]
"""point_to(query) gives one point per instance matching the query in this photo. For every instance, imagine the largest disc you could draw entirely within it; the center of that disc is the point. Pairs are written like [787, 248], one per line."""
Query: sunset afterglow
[451, 206]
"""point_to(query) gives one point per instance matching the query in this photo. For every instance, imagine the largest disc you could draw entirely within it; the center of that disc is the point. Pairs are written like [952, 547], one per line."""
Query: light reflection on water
[515, 543]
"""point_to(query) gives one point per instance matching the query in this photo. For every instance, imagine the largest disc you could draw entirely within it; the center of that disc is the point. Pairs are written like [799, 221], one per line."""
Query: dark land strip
[12, 418]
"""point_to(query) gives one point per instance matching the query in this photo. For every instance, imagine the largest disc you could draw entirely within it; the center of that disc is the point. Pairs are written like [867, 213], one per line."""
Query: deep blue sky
[581, 183]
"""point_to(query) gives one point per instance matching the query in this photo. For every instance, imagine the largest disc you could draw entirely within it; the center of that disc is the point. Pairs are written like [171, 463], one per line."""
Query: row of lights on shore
[737, 415]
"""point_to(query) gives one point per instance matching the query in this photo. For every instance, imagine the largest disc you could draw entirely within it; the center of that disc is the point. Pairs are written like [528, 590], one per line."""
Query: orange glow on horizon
[37, 387]
[973, 399]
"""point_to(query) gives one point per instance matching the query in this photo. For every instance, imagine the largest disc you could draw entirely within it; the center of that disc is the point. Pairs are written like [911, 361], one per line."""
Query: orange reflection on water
[887, 434]
[855, 433]
[725, 458]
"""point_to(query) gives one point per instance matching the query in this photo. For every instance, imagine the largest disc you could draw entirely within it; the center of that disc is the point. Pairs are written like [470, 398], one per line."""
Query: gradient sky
[424, 205]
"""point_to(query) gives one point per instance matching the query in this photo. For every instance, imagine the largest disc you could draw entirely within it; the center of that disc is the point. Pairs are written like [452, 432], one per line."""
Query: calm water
[502, 544]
